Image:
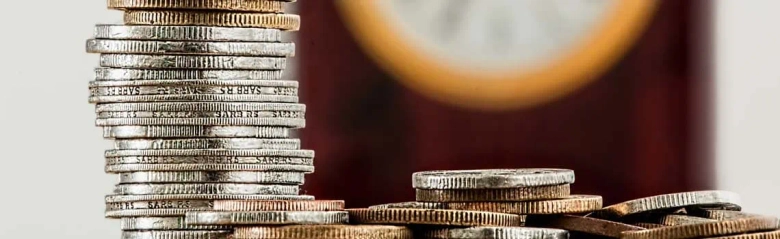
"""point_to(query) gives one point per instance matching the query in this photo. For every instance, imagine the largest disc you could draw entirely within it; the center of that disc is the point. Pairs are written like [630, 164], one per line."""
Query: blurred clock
[496, 54]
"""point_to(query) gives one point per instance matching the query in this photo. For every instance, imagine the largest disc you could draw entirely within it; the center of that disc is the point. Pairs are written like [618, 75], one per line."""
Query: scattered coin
[572, 205]
[432, 217]
[707, 229]
[678, 220]
[491, 179]
[669, 201]
[591, 226]
[496, 233]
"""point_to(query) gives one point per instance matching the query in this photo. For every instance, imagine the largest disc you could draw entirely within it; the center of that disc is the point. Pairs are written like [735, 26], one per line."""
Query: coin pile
[192, 93]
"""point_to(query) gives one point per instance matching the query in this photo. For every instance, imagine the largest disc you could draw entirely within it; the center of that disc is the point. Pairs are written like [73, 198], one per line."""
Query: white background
[52, 178]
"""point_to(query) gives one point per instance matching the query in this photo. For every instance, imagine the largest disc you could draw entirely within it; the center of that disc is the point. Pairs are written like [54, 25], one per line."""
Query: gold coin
[707, 229]
[289, 22]
[227, 5]
[324, 231]
[432, 217]
[573, 204]
[279, 205]
[648, 225]
[757, 235]
[587, 225]
[494, 195]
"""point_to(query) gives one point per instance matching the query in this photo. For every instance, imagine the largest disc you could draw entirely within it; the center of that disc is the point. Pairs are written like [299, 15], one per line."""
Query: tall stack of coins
[192, 93]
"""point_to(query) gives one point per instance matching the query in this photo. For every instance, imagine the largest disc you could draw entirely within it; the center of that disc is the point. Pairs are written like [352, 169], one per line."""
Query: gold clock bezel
[585, 61]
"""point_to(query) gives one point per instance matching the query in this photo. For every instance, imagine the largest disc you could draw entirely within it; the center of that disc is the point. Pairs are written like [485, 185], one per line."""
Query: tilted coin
[648, 225]
[432, 217]
[288, 22]
[494, 195]
[571, 205]
[755, 235]
[678, 220]
[591, 226]
[186, 33]
[193, 131]
[191, 47]
[266, 217]
[227, 5]
[669, 201]
[205, 188]
[496, 233]
[324, 232]
[299, 153]
[707, 229]
[117, 74]
[199, 106]
[162, 223]
[491, 178]
[279, 205]
[415, 205]
[208, 143]
[294, 178]
[721, 214]
[192, 62]
[221, 234]
[126, 168]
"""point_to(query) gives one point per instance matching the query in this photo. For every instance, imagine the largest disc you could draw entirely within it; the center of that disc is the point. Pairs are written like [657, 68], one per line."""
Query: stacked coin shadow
[192, 93]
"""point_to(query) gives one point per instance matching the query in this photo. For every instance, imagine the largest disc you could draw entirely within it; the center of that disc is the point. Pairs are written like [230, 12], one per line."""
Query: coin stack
[192, 93]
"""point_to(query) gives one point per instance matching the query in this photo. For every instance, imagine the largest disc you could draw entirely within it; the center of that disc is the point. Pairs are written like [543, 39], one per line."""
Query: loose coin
[496, 233]
[491, 178]
[192, 62]
[126, 168]
[294, 178]
[494, 195]
[186, 33]
[721, 214]
[755, 235]
[572, 205]
[288, 22]
[191, 47]
[414, 205]
[208, 143]
[279, 205]
[225, 5]
[707, 229]
[117, 74]
[669, 201]
[266, 217]
[678, 220]
[162, 223]
[193, 131]
[205, 188]
[648, 225]
[222, 234]
[324, 232]
[591, 226]
[432, 217]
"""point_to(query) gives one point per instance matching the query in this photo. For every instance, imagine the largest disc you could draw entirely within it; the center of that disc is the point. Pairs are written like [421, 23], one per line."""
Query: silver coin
[203, 97]
[169, 197]
[199, 106]
[126, 168]
[294, 178]
[193, 131]
[161, 204]
[208, 143]
[206, 82]
[192, 62]
[278, 49]
[497, 233]
[266, 217]
[491, 178]
[260, 114]
[414, 205]
[671, 201]
[163, 223]
[272, 122]
[205, 188]
[203, 90]
[301, 153]
[221, 234]
[187, 33]
[117, 74]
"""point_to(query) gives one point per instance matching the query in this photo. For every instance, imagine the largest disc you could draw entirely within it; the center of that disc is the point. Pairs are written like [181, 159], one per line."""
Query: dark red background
[641, 129]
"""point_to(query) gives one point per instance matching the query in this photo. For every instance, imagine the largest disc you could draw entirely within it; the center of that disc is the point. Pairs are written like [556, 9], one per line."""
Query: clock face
[496, 54]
